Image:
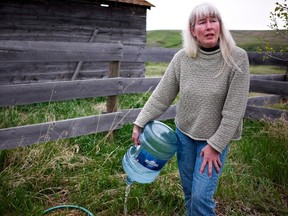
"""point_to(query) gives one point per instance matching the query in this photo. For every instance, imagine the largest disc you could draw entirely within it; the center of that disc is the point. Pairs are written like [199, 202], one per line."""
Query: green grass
[253, 178]
[164, 38]
[261, 69]
[248, 40]
[251, 40]
[50, 111]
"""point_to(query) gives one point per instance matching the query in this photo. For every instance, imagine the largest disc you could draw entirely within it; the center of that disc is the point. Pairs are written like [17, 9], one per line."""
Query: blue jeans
[198, 188]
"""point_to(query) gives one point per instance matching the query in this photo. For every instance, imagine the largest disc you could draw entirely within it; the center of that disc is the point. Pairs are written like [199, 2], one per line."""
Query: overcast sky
[236, 14]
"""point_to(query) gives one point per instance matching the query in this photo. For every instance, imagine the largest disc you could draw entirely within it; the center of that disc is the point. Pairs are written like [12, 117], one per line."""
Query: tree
[280, 17]
[279, 23]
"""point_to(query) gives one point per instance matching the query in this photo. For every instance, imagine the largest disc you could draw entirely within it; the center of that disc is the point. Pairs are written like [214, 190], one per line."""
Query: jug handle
[138, 149]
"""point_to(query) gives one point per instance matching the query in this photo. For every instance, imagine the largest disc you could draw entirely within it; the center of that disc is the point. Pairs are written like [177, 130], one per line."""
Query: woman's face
[206, 31]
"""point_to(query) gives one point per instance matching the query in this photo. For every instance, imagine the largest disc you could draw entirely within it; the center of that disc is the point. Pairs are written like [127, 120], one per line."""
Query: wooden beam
[274, 77]
[269, 87]
[66, 90]
[258, 113]
[264, 100]
[276, 58]
[52, 131]
[40, 51]
[60, 91]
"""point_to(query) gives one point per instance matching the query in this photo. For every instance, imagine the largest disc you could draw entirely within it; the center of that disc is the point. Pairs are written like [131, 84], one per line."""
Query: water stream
[128, 187]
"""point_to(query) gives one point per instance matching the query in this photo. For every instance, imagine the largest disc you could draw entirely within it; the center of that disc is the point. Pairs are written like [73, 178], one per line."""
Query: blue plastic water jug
[143, 163]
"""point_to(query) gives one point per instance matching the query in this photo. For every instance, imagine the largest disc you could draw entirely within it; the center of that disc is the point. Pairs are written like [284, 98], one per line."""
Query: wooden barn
[86, 21]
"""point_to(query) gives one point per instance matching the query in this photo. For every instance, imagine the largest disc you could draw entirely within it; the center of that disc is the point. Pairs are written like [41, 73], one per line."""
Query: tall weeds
[255, 180]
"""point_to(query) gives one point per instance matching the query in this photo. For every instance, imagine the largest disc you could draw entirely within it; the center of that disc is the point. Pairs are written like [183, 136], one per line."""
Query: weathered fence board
[52, 131]
[256, 58]
[148, 54]
[39, 51]
[269, 87]
[16, 51]
[26, 72]
[259, 113]
[274, 77]
[264, 100]
[59, 91]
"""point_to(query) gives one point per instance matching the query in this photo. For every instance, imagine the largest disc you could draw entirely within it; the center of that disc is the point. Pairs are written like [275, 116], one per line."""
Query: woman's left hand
[211, 157]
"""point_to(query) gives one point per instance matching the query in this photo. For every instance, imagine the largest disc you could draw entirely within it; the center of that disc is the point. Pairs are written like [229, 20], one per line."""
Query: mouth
[209, 35]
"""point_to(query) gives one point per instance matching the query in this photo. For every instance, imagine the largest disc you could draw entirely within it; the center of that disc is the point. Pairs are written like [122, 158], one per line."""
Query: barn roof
[135, 2]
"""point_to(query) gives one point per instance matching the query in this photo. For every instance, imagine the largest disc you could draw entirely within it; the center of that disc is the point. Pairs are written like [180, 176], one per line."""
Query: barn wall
[70, 21]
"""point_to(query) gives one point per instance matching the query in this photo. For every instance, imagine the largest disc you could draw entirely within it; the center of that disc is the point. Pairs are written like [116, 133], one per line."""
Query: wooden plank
[148, 54]
[275, 77]
[62, 71]
[264, 100]
[66, 90]
[269, 87]
[58, 91]
[36, 51]
[258, 113]
[157, 54]
[277, 59]
[52, 131]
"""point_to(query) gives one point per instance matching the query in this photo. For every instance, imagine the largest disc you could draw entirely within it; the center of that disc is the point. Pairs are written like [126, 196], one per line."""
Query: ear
[192, 32]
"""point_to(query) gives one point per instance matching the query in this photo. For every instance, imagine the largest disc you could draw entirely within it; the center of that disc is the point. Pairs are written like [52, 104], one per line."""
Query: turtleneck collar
[211, 49]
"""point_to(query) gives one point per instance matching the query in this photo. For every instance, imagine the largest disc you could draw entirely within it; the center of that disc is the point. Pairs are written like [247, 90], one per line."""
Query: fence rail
[15, 51]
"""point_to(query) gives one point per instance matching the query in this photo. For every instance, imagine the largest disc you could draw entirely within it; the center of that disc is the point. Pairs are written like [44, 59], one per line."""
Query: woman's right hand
[135, 134]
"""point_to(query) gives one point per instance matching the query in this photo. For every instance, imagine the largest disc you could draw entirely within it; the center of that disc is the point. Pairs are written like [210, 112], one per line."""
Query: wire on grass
[67, 207]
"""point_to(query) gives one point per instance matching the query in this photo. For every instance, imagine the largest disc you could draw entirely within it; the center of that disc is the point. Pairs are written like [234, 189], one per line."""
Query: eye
[201, 22]
[214, 20]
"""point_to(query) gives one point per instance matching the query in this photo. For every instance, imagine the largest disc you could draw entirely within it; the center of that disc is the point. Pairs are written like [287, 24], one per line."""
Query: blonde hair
[226, 42]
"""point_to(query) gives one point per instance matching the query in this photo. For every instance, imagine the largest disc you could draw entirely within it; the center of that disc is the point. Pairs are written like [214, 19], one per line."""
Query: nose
[208, 25]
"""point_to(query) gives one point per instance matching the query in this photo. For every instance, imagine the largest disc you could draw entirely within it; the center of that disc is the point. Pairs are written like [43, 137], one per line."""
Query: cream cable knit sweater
[210, 107]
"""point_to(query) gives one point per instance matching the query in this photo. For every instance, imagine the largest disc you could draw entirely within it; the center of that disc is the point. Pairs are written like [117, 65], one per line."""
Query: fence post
[286, 75]
[112, 101]
[114, 71]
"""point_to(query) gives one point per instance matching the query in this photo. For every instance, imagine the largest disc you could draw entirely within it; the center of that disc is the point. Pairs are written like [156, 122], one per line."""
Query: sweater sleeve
[234, 107]
[162, 97]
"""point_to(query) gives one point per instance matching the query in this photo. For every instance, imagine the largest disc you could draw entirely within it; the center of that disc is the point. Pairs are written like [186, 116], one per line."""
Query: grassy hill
[248, 40]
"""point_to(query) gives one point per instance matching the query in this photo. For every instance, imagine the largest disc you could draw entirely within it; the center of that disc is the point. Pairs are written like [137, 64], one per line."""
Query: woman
[211, 76]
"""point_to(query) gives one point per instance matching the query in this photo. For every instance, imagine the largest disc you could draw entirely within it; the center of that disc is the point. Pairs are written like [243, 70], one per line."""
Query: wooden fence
[115, 53]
